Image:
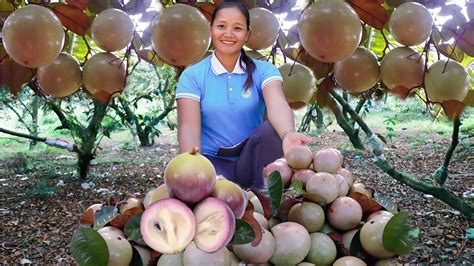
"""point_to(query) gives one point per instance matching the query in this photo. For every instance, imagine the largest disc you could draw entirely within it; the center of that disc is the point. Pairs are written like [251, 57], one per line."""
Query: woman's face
[229, 31]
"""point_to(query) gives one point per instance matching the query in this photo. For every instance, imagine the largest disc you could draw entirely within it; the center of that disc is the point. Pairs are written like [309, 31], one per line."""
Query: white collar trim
[218, 68]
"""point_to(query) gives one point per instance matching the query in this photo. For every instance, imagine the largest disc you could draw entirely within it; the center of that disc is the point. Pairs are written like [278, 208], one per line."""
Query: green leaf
[89, 247]
[243, 233]
[104, 216]
[275, 189]
[297, 187]
[395, 235]
[132, 229]
[387, 203]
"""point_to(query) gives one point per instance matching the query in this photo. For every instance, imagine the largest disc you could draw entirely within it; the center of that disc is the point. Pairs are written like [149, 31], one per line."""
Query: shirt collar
[218, 68]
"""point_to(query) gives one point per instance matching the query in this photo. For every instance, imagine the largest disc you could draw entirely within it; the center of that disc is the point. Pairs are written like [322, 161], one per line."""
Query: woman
[222, 99]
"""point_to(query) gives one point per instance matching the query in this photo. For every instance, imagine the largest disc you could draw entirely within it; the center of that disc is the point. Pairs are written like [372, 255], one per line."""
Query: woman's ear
[248, 36]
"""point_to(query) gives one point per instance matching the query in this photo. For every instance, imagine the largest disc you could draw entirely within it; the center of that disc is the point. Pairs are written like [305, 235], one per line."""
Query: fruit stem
[194, 151]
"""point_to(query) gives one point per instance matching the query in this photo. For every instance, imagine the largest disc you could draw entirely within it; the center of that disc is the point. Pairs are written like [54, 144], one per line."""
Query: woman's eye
[220, 26]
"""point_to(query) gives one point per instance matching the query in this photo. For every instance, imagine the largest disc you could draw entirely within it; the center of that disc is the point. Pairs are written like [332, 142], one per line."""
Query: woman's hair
[244, 58]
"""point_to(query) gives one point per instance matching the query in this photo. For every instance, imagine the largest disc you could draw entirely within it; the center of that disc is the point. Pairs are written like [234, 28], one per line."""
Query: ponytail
[249, 68]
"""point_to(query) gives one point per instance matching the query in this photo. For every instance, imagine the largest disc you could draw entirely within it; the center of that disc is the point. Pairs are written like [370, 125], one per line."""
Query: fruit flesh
[167, 226]
[215, 224]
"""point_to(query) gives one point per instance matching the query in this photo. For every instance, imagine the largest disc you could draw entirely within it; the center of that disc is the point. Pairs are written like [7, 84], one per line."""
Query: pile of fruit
[310, 213]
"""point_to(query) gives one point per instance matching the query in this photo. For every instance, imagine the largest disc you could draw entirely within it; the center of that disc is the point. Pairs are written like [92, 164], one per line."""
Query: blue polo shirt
[228, 114]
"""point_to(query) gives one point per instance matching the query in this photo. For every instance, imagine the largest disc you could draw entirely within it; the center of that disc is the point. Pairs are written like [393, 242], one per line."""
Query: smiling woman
[222, 100]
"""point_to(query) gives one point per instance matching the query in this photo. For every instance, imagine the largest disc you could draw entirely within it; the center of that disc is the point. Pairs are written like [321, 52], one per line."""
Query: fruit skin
[232, 194]
[107, 35]
[359, 72]
[343, 186]
[347, 175]
[111, 230]
[156, 194]
[61, 78]
[298, 84]
[327, 160]
[259, 254]
[215, 224]
[176, 40]
[344, 213]
[190, 176]
[261, 220]
[265, 27]
[33, 36]
[402, 66]
[292, 243]
[360, 187]
[159, 230]
[324, 185]
[379, 214]
[303, 175]
[299, 157]
[120, 250]
[347, 238]
[170, 260]
[371, 238]
[282, 167]
[257, 205]
[104, 72]
[323, 250]
[410, 24]
[145, 254]
[193, 256]
[330, 30]
[308, 214]
[446, 81]
[131, 203]
[349, 261]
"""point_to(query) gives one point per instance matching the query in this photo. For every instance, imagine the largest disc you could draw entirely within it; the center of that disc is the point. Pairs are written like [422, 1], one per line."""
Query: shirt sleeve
[188, 87]
[269, 73]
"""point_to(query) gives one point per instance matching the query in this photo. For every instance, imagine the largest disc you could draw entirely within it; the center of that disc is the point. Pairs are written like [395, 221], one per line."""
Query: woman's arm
[280, 116]
[189, 124]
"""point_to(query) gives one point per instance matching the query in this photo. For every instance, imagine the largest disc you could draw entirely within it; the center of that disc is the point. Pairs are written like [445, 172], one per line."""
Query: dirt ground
[39, 230]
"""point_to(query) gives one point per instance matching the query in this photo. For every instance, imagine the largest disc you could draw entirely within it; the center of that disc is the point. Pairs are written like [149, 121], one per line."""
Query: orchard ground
[42, 200]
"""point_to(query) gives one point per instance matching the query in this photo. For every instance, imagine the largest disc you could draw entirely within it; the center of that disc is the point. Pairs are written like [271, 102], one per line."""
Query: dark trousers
[260, 149]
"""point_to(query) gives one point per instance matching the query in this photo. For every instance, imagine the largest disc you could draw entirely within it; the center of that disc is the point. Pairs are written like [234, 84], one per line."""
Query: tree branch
[465, 207]
[22, 135]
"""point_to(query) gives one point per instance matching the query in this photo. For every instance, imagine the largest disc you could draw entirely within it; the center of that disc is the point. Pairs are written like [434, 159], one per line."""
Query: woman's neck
[228, 61]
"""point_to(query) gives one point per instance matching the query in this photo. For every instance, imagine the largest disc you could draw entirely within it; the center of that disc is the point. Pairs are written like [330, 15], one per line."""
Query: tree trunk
[35, 105]
[87, 147]
[144, 137]
[83, 162]
[319, 120]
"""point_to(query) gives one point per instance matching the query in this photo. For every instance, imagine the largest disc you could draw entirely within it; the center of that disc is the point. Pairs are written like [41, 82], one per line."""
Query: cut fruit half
[168, 226]
[215, 224]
